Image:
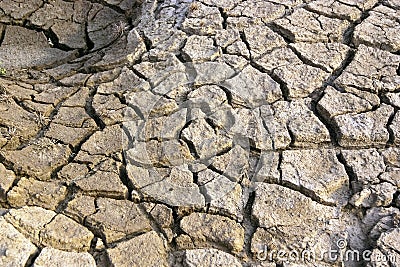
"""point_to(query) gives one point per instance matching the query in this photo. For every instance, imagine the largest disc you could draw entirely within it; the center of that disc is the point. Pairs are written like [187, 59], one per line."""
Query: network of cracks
[200, 133]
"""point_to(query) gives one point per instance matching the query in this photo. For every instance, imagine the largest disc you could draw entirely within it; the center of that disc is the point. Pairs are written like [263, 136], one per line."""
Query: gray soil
[200, 133]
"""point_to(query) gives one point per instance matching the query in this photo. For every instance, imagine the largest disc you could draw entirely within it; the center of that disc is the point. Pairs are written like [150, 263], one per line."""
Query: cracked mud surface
[200, 133]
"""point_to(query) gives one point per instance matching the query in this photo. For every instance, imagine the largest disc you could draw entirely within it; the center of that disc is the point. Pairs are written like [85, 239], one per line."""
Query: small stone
[365, 164]
[109, 108]
[379, 30]
[41, 55]
[212, 73]
[68, 135]
[16, 249]
[99, 244]
[206, 141]
[394, 99]
[65, 234]
[389, 244]
[355, 130]
[262, 40]
[30, 221]
[329, 57]
[238, 48]
[301, 80]
[173, 186]
[337, 9]
[227, 37]
[103, 184]
[297, 118]
[267, 168]
[206, 230]
[7, 178]
[335, 103]
[391, 175]
[116, 219]
[276, 205]
[391, 156]
[374, 196]
[222, 194]
[200, 48]
[372, 70]
[72, 171]
[162, 214]
[395, 128]
[80, 207]
[145, 250]
[126, 81]
[266, 11]
[233, 164]
[305, 26]
[78, 99]
[165, 127]
[54, 257]
[207, 97]
[39, 159]
[105, 142]
[203, 20]
[252, 88]
[332, 185]
[32, 192]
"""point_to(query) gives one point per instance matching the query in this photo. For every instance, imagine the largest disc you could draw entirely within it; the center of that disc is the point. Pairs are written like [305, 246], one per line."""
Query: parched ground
[200, 133]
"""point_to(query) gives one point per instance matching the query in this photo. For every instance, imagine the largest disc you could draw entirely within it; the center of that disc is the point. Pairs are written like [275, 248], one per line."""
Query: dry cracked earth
[200, 133]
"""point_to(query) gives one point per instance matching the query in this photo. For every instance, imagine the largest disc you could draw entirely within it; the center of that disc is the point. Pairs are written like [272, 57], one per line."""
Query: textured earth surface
[200, 133]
